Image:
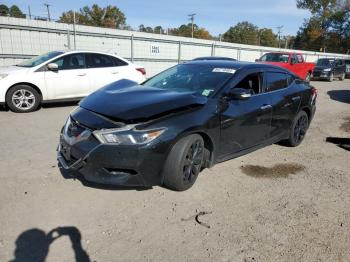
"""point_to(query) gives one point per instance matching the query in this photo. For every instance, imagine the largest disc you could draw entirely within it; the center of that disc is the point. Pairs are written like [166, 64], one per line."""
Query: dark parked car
[214, 58]
[185, 119]
[329, 69]
[347, 64]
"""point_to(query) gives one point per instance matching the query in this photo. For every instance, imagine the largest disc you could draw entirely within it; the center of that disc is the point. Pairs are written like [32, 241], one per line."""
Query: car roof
[236, 65]
[214, 58]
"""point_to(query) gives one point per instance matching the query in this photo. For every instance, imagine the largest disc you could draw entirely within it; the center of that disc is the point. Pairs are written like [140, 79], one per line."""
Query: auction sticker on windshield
[224, 70]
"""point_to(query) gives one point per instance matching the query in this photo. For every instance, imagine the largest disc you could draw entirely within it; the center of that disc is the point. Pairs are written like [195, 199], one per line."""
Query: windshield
[201, 79]
[39, 59]
[325, 62]
[275, 57]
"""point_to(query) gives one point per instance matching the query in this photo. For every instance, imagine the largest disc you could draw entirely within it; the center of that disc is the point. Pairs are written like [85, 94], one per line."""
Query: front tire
[298, 129]
[342, 77]
[184, 163]
[23, 99]
[308, 77]
[331, 77]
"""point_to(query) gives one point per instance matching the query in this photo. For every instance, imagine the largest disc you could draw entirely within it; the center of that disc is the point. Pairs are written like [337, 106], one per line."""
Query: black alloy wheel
[193, 161]
[184, 163]
[298, 129]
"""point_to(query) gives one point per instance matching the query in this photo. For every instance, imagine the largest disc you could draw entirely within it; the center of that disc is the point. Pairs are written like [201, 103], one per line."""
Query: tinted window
[347, 62]
[73, 61]
[325, 62]
[118, 62]
[275, 81]
[200, 79]
[252, 83]
[275, 57]
[99, 60]
[299, 59]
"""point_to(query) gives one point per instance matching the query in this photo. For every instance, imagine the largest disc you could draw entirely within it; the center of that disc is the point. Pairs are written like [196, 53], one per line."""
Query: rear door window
[100, 61]
[275, 81]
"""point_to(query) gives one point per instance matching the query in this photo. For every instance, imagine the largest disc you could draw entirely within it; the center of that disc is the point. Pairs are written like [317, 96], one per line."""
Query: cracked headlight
[3, 76]
[127, 137]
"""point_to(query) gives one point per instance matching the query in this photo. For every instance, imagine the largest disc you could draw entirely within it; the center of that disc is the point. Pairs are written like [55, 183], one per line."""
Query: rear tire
[342, 77]
[184, 163]
[298, 129]
[23, 99]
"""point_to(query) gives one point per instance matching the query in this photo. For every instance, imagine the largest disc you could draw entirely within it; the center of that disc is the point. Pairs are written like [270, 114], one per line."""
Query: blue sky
[217, 16]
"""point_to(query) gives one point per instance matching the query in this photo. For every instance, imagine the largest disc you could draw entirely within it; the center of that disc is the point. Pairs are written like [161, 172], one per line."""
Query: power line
[191, 17]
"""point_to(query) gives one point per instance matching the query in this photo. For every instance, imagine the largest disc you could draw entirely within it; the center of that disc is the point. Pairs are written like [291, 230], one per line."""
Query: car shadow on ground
[60, 104]
[33, 245]
[340, 95]
[67, 174]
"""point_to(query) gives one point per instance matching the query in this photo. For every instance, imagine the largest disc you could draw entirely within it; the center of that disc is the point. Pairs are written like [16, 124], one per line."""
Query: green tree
[267, 37]
[158, 29]
[328, 28]
[4, 10]
[109, 16]
[242, 33]
[186, 31]
[16, 12]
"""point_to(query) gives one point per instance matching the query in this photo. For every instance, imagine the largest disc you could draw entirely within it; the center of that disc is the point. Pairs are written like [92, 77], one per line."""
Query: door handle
[295, 98]
[82, 74]
[265, 107]
[115, 72]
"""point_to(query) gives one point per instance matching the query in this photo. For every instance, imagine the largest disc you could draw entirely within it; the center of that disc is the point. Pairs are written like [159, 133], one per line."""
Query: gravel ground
[275, 204]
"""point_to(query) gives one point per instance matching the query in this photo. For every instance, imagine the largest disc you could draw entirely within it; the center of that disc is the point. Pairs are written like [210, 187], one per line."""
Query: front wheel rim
[193, 162]
[23, 99]
[300, 129]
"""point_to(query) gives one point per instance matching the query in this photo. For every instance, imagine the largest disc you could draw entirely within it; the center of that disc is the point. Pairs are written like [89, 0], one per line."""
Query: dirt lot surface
[275, 204]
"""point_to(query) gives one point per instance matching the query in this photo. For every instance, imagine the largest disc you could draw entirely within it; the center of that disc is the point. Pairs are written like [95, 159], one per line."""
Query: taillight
[141, 70]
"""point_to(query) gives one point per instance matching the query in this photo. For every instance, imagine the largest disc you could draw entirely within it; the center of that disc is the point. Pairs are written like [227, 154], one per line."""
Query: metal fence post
[213, 49]
[68, 39]
[75, 32]
[132, 48]
[179, 53]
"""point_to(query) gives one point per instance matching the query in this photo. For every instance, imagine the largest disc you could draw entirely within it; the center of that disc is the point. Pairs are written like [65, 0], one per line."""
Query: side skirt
[251, 149]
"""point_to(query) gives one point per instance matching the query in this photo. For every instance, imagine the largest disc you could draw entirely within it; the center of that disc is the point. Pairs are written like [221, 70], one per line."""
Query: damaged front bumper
[112, 164]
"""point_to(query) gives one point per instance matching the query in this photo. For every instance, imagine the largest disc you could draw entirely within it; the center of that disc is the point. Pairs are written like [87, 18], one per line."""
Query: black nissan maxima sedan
[187, 118]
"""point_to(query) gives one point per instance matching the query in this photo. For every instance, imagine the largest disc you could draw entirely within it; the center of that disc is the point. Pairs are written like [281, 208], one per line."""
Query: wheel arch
[28, 84]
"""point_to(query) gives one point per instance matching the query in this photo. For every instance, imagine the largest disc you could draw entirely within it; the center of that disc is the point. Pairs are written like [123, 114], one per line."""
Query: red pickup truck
[294, 62]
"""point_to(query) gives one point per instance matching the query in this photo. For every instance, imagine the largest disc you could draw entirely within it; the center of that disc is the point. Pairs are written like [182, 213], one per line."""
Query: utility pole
[48, 11]
[191, 17]
[279, 28]
[29, 12]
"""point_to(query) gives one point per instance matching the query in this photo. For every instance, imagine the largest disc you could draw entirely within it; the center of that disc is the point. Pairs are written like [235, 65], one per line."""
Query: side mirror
[52, 67]
[238, 94]
[293, 61]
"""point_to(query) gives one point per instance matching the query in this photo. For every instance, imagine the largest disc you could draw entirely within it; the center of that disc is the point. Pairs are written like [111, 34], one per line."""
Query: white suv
[61, 76]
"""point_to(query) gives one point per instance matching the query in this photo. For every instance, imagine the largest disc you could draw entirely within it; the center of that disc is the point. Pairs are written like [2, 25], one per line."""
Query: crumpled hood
[12, 69]
[125, 100]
